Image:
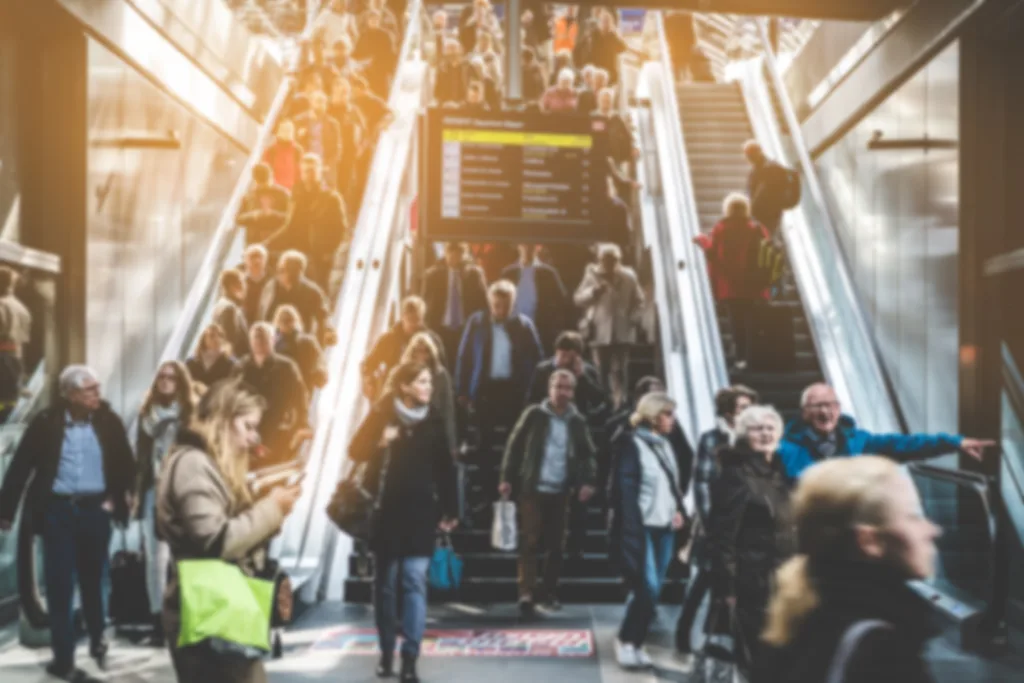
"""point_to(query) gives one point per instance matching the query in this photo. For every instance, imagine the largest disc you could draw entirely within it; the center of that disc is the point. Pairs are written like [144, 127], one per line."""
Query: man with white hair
[77, 456]
[562, 96]
[822, 431]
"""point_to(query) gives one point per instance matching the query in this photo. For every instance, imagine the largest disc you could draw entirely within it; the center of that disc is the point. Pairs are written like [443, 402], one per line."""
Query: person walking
[82, 471]
[212, 361]
[403, 440]
[611, 296]
[300, 346]
[647, 511]
[843, 604]
[424, 350]
[205, 510]
[264, 208]
[751, 532]
[167, 408]
[229, 313]
[731, 251]
[540, 294]
[387, 351]
[454, 291]
[767, 187]
[15, 333]
[729, 403]
[549, 458]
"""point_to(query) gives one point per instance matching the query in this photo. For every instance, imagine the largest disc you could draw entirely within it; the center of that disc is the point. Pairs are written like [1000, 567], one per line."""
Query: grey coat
[614, 312]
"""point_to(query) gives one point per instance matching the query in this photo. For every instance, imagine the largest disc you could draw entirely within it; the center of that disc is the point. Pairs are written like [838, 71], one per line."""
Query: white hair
[757, 415]
[609, 249]
[806, 395]
[73, 377]
[567, 74]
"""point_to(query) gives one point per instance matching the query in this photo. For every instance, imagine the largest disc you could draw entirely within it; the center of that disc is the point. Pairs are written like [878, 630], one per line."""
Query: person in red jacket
[731, 250]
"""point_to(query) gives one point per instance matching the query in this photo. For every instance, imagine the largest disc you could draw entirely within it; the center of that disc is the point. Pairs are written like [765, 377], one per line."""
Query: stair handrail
[847, 350]
[705, 358]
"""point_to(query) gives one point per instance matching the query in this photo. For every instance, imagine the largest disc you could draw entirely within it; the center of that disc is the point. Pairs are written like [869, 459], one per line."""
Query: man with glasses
[77, 456]
[824, 432]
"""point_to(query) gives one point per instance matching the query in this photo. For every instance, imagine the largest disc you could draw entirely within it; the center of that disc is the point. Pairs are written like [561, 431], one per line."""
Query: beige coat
[194, 518]
[614, 312]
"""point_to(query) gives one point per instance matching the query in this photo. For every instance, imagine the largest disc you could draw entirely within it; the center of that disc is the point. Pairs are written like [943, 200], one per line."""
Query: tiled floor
[309, 658]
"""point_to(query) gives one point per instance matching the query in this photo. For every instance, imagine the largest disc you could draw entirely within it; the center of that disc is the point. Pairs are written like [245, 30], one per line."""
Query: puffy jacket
[799, 448]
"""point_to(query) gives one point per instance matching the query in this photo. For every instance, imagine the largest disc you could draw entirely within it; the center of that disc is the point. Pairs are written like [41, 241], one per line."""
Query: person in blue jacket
[823, 432]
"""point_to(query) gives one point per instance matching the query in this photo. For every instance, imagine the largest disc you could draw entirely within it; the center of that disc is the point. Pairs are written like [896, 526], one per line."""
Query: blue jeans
[644, 601]
[76, 540]
[413, 571]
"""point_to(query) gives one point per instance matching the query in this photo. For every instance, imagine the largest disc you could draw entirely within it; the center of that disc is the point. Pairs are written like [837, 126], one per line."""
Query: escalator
[715, 120]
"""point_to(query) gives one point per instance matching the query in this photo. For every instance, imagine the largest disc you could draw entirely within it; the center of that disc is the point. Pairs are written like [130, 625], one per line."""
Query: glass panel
[964, 566]
[8, 132]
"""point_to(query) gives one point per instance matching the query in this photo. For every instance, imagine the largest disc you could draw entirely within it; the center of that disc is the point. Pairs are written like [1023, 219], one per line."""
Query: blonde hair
[833, 497]
[736, 205]
[213, 421]
[422, 340]
[649, 407]
[285, 311]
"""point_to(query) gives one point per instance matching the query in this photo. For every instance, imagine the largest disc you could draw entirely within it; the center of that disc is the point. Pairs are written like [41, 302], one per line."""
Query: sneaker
[64, 672]
[643, 660]
[98, 651]
[625, 655]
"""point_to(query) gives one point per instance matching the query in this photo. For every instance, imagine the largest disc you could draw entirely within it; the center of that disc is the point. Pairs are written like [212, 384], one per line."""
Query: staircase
[489, 576]
[715, 126]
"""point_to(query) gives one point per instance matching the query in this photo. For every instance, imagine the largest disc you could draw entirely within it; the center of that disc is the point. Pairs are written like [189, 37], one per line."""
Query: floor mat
[539, 643]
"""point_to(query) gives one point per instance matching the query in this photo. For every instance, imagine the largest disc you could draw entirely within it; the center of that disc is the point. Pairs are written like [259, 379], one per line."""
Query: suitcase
[773, 348]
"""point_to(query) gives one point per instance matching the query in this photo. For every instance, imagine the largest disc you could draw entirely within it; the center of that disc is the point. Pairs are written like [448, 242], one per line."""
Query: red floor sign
[472, 643]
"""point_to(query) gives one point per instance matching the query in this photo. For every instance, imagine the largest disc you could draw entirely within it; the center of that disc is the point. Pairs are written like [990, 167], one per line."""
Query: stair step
[491, 591]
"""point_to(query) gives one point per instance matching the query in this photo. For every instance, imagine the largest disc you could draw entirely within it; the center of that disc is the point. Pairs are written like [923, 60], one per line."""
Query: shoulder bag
[353, 508]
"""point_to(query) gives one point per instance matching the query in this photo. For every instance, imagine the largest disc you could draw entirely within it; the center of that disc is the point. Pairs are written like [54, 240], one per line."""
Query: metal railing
[846, 348]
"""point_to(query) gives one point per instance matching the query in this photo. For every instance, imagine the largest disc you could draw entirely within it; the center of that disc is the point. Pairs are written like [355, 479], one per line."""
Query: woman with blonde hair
[731, 250]
[212, 360]
[206, 511]
[843, 604]
[646, 503]
[751, 531]
[294, 342]
[422, 349]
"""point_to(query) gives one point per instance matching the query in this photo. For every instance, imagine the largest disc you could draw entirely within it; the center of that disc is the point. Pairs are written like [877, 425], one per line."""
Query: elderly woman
[731, 251]
[646, 502]
[751, 531]
[562, 96]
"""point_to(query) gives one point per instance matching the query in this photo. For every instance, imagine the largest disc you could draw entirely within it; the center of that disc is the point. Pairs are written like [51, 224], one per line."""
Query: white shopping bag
[503, 531]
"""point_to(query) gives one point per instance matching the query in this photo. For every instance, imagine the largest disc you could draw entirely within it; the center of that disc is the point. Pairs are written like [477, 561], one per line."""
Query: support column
[52, 109]
[514, 49]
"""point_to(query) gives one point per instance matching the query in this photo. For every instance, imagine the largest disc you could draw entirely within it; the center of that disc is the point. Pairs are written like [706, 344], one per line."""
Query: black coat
[222, 368]
[420, 478]
[751, 531]
[552, 316]
[280, 384]
[318, 224]
[306, 352]
[38, 458]
[388, 349]
[851, 592]
[626, 536]
[435, 293]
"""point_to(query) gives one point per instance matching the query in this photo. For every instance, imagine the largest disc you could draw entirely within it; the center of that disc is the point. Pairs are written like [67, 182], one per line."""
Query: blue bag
[445, 572]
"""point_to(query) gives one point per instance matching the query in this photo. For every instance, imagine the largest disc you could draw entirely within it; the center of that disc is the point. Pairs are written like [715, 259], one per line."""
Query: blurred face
[319, 103]
[419, 391]
[605, 101]
[310, 173]
[87, 396]
[451, 51]
[411, 321]
[565, 81]
[561, 392]
[665, 421]
[911, 536]
[286, 131]
[764, 437]
[421, 355]
[286, 323]
[605, 22]
[742, 403]
[754, 154]
[454, 257]
[255, 264]
[565, 358]
[260, 343]
[501, 306]
[600, 79]
[245, 430]
[609, 262]
[373, 21]
[342, 50]
[214, 340]
[588, 78]
[342, 91]
[474, 96]
[821, 409]
[166, 381]
[285, 276]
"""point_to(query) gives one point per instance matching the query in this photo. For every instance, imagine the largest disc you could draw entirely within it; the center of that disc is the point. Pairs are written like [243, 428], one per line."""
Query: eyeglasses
[824, 405]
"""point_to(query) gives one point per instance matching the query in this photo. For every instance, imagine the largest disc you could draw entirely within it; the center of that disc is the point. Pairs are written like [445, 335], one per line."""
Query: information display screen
[514, 176]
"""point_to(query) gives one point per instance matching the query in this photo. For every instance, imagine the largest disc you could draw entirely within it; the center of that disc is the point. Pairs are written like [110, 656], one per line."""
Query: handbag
[353, 508]
[129, 598]
[445, 571]
[503, 531]
[718, 661]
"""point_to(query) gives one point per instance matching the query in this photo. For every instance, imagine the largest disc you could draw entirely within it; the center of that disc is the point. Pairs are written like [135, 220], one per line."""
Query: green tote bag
[224, 608]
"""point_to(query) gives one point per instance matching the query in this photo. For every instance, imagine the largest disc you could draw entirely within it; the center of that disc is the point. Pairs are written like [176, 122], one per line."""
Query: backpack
[791, 195]
[767, 264]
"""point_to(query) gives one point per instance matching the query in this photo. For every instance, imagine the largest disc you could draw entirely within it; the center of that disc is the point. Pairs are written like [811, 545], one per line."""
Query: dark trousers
[451, 337]
[543, 517]
[696, 590]
[497, 408]
[741, 318]
[76, 540]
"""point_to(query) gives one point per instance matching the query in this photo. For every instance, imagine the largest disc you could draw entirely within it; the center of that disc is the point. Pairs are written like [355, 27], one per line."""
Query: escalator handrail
[876, 406]
[1013, 388]
[688, 255]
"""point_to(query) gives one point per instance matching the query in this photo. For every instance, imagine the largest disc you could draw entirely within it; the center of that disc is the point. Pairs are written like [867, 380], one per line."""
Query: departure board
[514, 176]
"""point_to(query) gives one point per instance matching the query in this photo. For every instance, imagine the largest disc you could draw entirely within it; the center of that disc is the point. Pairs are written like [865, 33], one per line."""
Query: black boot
[156, 639]
[386, 665]
[409, 670]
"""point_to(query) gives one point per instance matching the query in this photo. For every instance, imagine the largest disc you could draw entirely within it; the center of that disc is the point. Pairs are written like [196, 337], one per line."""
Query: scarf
[410, 417]
[161, 423]
[664, 452]
[729, 432]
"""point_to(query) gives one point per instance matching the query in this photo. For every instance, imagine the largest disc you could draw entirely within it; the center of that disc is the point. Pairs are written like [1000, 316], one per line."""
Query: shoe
[386, 667]
[551, 605]
[156, 639]
[643, 660]
[408, 674]
[526, 608]
[99, 652]
[65, 672]
[625, 655]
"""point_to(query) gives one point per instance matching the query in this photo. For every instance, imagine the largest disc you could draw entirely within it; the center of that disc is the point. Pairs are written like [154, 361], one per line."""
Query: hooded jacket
[799, 447]
[524, 452]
